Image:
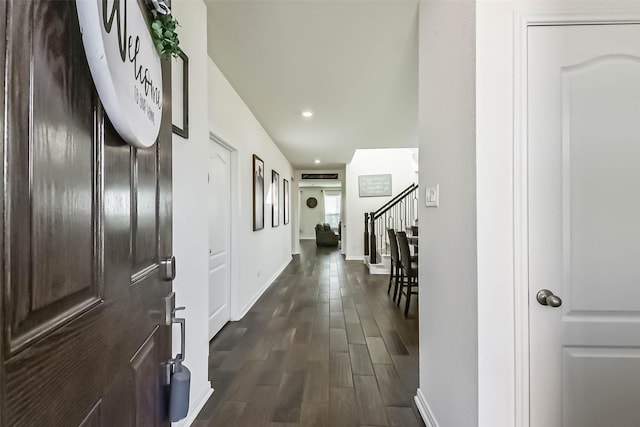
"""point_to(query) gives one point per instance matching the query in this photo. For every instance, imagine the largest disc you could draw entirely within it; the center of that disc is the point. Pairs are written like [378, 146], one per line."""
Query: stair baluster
[398, 213]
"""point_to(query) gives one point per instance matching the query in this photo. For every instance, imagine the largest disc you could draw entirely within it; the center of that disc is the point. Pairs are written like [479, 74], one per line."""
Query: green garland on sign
[163, 32]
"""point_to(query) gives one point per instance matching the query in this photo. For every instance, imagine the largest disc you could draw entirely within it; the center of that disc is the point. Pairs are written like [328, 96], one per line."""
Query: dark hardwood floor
[324, 346]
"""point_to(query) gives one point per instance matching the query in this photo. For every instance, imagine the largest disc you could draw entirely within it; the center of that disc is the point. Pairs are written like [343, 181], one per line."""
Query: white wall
[295, 215]
[448, 283]
[310, 217]
[395, 161]
[261, 254]
[190, 245]
[495, 213]
[496, 65]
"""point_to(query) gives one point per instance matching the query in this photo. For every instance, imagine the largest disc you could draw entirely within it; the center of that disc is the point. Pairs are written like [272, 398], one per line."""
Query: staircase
[401, 214]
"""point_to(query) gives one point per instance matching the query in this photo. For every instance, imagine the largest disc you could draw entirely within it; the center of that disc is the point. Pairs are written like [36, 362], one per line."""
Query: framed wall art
[285, 200]
[275, 198]
[258, 193]
[374, 185]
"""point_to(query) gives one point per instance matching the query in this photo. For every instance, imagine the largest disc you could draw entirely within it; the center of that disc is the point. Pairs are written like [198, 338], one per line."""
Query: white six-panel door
[584, 224]
[219, 189]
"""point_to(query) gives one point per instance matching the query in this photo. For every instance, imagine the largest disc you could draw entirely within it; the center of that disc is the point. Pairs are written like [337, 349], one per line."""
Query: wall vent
[319, 176]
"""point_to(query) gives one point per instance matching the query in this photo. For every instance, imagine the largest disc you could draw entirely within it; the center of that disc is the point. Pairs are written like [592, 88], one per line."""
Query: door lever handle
[182, 323]
[546, 297]
[170, 319]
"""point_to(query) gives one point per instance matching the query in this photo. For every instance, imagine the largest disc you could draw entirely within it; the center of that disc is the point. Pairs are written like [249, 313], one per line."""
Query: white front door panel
[584, 224]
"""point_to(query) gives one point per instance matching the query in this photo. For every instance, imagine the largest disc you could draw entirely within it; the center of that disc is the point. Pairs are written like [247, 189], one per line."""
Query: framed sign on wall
[125, 67]
[374, 185]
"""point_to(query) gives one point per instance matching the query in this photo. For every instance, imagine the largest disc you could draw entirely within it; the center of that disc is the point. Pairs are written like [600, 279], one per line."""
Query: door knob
[546, 297]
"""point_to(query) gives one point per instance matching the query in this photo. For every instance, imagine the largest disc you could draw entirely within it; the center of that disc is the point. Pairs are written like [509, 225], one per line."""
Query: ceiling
[354, 64]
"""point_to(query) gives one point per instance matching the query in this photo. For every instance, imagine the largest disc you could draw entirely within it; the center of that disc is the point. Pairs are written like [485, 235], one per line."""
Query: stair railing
[397, 213]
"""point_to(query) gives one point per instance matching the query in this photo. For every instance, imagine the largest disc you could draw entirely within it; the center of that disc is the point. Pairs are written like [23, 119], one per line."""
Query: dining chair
[409, 271]
[394, 273]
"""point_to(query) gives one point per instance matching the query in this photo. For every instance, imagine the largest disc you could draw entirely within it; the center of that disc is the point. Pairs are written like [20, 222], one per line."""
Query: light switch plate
[432, 196]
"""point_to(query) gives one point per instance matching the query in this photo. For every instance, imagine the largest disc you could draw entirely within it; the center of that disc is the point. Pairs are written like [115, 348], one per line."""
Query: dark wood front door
[86, 223]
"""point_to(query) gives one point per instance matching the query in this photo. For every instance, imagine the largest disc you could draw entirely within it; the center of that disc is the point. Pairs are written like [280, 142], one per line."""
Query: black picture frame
[258, 193]
[285, 202]
[275, 198]
[180, 95]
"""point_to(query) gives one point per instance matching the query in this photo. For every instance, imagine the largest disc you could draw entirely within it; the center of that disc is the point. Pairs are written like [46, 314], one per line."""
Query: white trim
[520, 173]
[425, 411]
[196, 406]
[570, 18]
[266, 286]
[520, 226]
[354, 258]
[216, 138]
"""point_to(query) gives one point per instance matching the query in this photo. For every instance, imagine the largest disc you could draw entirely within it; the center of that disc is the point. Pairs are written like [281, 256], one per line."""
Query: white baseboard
[257, 296]
[423, 407]
[354, 258]
[217, 321]
[196, 406]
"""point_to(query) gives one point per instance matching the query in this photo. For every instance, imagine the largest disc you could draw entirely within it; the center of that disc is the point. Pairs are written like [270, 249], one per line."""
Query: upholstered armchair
[325, 236]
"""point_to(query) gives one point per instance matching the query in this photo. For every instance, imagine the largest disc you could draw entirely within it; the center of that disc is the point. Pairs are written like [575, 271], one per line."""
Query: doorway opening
[320, 212]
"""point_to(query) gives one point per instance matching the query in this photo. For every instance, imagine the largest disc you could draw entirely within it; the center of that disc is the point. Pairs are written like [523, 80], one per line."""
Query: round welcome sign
[125, 67]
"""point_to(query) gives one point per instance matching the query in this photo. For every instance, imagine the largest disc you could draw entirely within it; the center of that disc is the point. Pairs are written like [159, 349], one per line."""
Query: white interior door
[584, 224]
[219, 188]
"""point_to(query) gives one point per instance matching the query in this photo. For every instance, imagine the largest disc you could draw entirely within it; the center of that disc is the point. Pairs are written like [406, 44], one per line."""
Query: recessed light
[307, 114]
[317, 161]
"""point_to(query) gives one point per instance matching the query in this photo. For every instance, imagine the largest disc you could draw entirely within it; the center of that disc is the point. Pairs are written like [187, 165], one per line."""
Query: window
[332, 208]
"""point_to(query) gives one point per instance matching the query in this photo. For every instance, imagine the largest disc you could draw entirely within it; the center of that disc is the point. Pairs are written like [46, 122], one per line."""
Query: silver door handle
[182, 323]
[170, 318]
[546, 297]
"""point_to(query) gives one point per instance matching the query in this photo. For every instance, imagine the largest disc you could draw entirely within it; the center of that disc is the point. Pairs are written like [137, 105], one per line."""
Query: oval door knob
[554, 301]
[546, 297]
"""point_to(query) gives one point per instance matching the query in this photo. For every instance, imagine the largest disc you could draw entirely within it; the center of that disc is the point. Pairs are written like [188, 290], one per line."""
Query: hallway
[324, 346]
